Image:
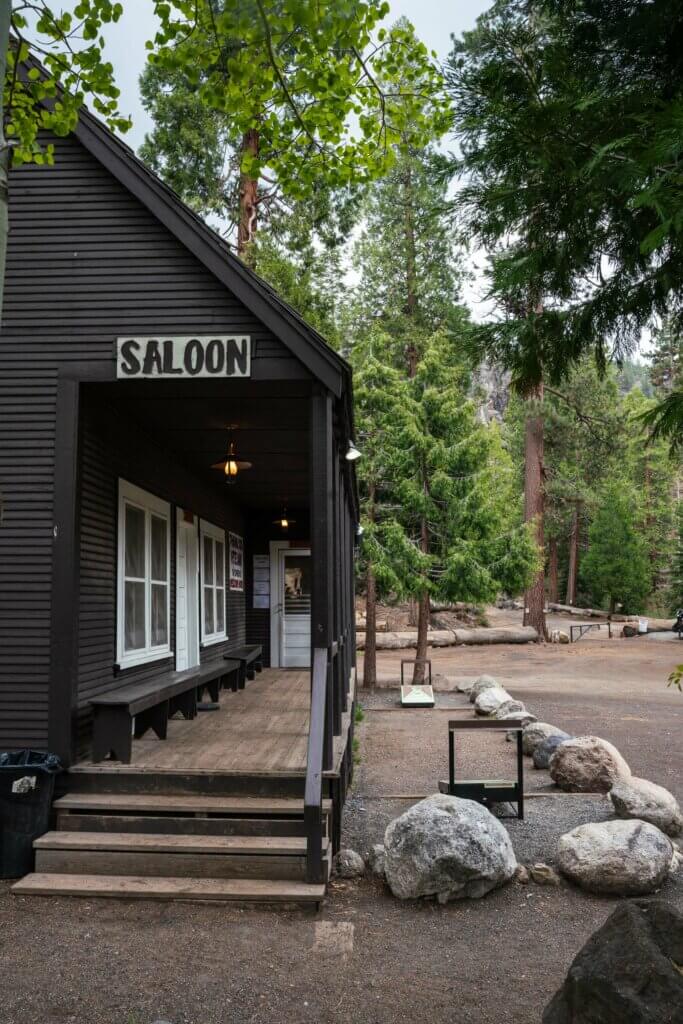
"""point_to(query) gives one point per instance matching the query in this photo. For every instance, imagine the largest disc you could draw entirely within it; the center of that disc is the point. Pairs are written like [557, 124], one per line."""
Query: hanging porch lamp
[352, 453]
[284, 521]
[231, 465]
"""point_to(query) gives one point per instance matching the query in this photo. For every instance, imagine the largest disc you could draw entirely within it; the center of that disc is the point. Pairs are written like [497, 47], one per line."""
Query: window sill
[211, 640]
[133, 660]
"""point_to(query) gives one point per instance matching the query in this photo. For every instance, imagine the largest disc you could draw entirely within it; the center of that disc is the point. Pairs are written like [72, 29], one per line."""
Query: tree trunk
[573, 569]
[246, 228]
[370, 654]
[423, 616]
[5, 22]
[553, 583]
[534, 500]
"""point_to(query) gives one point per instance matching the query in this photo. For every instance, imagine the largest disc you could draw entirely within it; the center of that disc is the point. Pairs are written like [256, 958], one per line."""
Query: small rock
[480, 684]
[512, 706]
[490, 700]
[349, 864]
[628, 972]
[447, 847]
[638, 798]
[545, 750]
[376, 859]
[587, 764]
[535, 734]
[521, 875]
[543, 874]
[464, 687]
[621, 858]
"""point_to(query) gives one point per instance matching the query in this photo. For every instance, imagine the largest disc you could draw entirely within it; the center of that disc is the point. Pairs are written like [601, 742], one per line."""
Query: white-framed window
[213, 583]
[143, 627]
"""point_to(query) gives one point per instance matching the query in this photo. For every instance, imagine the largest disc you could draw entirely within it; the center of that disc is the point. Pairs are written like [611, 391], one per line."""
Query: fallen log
[496, 635]
[451, 637]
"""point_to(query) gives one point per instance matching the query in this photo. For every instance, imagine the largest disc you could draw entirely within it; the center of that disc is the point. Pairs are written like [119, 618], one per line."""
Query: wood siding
[87, 262]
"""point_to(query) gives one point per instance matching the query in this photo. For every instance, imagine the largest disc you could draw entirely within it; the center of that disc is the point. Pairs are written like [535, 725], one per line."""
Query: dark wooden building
[175, 486]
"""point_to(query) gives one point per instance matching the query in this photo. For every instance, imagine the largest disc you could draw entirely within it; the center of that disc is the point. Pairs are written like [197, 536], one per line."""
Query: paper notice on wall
[236, 563]
[261, 584]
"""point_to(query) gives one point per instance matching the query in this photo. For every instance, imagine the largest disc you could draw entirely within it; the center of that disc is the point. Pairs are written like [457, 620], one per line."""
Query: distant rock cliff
[491, 387]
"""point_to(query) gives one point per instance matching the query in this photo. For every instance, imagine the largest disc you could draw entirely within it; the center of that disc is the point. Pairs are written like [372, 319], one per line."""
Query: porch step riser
[171, 865]
[185, 826]
[179, 784]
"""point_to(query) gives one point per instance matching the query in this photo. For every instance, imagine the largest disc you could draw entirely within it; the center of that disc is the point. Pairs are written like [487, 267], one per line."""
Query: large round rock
[587, 764]
[480, 684]
[509, 706]
[449, 848]
[619, 858]
[490, 700]
[535, 734]
[628, 972]
[638, 798]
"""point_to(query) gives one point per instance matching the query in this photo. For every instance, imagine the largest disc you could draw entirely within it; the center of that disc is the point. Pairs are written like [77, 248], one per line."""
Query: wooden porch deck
[262, 729]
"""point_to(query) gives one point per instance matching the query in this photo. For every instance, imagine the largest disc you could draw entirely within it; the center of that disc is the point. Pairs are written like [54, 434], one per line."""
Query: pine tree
[675, 594]
[455, 487]
[666, 357]
[406, 257]
[616, 568]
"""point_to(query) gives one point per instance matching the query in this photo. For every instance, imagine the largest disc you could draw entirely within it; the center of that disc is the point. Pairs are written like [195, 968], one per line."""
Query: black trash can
[27, 782]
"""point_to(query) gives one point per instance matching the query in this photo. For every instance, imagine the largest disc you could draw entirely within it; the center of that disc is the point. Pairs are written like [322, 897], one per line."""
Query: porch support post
[322, 553]
[65, 578]
[336, 585]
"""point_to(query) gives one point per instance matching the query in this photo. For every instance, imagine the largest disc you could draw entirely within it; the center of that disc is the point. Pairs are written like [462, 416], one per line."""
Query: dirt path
[368, 959]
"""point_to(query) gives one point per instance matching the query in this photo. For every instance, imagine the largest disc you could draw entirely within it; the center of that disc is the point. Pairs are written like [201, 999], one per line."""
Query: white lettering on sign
[201, 356]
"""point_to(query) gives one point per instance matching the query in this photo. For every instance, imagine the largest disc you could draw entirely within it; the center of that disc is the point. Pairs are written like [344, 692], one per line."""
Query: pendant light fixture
[231, 464]
[352, 453]
[284, 521]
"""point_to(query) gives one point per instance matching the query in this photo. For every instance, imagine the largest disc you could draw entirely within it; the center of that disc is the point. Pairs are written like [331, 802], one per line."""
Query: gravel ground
[368, 958]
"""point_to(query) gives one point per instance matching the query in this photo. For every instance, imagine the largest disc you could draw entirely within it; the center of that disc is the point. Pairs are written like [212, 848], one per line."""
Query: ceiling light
[284, 522]
[231, 464]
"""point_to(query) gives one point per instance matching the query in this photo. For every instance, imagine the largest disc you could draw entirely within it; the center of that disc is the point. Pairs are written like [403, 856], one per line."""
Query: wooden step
[245, 806]
[251, 890]
[128, 841]
[173, 856]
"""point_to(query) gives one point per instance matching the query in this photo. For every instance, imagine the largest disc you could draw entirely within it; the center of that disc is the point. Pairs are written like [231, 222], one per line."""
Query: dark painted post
[65, 577]
[322, 554]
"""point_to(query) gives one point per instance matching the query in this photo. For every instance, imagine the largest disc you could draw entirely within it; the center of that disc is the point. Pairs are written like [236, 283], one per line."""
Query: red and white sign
[236, 562]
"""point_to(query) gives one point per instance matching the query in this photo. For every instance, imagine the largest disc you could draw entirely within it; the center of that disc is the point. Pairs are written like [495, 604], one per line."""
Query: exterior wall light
[352, 453]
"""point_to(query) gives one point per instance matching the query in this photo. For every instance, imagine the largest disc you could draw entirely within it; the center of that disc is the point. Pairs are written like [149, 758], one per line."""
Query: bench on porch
[250, 659]
[150, 703]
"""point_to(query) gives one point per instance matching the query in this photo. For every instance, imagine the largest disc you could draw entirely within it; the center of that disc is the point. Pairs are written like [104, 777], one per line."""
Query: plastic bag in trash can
[30, 759]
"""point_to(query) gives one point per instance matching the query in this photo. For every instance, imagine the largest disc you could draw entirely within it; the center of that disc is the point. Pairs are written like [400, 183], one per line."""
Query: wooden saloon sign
[199, 356]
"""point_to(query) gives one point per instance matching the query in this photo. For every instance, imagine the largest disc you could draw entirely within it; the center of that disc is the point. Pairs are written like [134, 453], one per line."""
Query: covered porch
[261, 730]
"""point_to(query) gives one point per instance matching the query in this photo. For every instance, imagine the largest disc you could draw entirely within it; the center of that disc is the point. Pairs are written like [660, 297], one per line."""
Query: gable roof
[305, 343]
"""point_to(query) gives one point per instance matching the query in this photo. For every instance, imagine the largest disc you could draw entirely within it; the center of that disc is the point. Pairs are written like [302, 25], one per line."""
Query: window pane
[220, 563]
[159, 549]
[208, 560]
[220, 611]
[208, 610]
[159, 615]
[135, 542]
[134, 616]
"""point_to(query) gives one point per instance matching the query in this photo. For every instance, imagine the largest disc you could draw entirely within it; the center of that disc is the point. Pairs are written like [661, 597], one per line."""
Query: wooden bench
[150, 703]
[250, 659]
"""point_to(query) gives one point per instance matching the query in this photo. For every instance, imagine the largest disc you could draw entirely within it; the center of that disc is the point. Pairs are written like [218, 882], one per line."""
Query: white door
[187, 593]
[295, 604]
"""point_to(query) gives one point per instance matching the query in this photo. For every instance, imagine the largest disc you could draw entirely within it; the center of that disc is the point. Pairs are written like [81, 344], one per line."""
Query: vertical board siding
[86, 263]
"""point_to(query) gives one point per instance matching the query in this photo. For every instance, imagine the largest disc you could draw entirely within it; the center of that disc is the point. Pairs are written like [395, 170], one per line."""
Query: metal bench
[149, 704]
[250, 659]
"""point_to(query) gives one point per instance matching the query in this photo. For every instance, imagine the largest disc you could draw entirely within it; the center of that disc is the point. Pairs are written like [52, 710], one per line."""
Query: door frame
[192, 586]
[276, 610]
